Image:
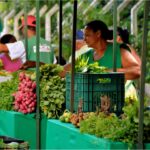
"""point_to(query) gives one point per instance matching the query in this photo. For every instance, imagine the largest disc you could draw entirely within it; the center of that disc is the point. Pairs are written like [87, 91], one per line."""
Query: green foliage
[52, 91]
[48, 70]
[123, 128]
[52, 96]
[7, 89]
[110, 127]
[82, 65]
[95, 68]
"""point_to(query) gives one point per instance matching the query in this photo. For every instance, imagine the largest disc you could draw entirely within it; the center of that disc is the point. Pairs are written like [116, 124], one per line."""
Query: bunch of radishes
[25, 97]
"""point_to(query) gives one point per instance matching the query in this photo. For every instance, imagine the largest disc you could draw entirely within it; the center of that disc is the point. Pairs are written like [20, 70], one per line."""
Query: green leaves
[52, 94]
[95, 68]
[110, 127]
[7, 89]
[46, 102]
[49, 70]
[83, 66]
[123, 128]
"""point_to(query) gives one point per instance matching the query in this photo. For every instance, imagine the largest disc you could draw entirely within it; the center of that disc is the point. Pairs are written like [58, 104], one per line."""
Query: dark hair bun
[124, 34]
[98, 25]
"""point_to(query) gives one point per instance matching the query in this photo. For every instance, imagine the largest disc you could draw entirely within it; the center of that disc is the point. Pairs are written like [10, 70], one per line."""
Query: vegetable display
[66, 116]
[25, 97]
[52, 99]
[52, 91]
[76, 118]
[124, 129]
[20, 91]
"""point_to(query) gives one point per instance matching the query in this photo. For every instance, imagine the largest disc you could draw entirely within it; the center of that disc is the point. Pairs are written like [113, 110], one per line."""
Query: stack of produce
[66, 116]
[52, 90]
[75, 118]
[25, 97]
[19, 94]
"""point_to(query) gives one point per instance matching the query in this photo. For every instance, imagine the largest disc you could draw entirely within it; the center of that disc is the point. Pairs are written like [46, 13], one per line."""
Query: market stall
[35, 102]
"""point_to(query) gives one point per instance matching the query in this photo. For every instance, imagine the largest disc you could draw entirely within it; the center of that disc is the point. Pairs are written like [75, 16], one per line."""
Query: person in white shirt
[17, 49]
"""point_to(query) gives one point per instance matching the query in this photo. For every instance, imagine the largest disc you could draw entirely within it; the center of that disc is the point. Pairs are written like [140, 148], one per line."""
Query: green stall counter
[7, 123]
[54, 134]
[61, 135]
[66, 136]
[18, 125]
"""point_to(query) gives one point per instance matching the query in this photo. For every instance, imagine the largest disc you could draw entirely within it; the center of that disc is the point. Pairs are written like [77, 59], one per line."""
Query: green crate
[90, 87]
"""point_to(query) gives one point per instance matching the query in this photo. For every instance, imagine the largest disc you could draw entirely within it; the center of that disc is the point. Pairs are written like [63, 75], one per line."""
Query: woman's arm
[130, 66]
[67, 68]
[3, 48]
[134, 53]
[30, 64]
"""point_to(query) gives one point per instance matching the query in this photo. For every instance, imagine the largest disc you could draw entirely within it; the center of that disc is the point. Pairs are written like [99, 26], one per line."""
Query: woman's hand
[67, 68]
[28, 64]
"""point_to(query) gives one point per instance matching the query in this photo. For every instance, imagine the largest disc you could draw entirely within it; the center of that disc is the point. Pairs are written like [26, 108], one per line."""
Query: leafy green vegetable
[95, 68]
[123, 129]
[7, 88]
[49, 70]
[83, 66]
[52, 91]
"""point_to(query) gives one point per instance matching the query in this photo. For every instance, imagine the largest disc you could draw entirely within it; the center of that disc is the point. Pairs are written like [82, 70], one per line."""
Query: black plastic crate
[5, 142]
[91, 87]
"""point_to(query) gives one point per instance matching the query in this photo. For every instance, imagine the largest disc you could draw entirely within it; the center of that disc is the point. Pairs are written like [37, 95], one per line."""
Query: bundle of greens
[123, 128]
[52, 90]
[83, 66]
[7, 88]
